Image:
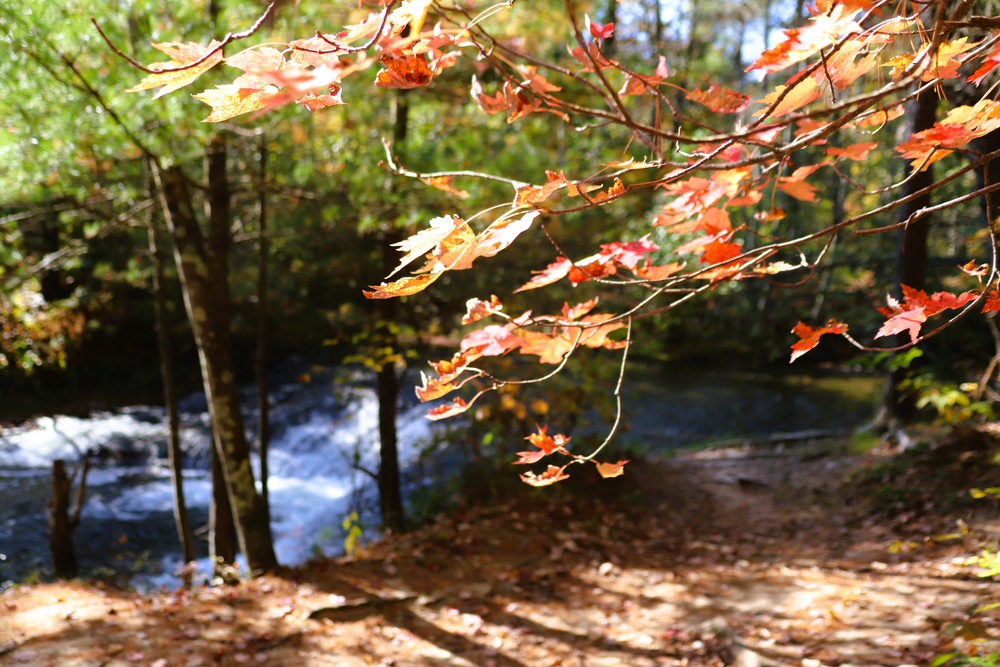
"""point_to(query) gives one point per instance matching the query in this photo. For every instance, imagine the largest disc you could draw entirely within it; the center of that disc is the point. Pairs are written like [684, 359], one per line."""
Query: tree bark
[183, 522]
[263, 308]
[221, 521]
[205, 287]
[62, 520]
[389, 485]
[900, 405]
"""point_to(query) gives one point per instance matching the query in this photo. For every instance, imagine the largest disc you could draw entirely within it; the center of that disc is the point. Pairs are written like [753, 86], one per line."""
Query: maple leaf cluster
[854, 65]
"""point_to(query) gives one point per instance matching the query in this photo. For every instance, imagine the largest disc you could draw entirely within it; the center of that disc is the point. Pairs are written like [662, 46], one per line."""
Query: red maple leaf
[599, 30]
[916, 307]
[809, 336]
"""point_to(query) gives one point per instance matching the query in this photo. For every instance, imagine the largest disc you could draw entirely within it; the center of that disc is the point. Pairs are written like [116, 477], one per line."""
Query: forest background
[308, 195]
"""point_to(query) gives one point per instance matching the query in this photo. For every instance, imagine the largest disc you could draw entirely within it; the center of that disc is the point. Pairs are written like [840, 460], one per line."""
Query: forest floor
[781, 555]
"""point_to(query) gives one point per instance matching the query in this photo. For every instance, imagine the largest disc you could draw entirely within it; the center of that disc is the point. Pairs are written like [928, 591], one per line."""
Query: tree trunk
[205, 288]
[62, 520]
[900, 405]
[263, 389]
[184, 533]
[221, 523]
[389, 486]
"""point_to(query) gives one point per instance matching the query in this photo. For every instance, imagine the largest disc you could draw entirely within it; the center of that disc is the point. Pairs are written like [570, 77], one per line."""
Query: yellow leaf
[168, 77]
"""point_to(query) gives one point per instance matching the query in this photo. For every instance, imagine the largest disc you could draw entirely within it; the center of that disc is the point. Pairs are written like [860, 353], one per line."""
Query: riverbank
[782, 555]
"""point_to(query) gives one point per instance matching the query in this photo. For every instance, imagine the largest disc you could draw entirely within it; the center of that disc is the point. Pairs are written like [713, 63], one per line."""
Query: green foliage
[353, 531]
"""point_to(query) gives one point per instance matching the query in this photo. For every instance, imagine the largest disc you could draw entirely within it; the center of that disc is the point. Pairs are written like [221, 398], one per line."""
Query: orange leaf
[607, 470]
[720, 100]
[809, 336]
[800, 43]
[443, 183]
[545, 442]
[456, 407]
[432, 388]
[402, 287]
[477, 309]
[992, 303]
[854, 151]
[550, 476]
[802, 93]
[404, 72]
[490, 105]
[555, 271]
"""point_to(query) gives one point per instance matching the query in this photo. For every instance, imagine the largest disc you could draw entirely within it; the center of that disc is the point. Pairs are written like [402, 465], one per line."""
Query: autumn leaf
[456, 407]
[545, 442]
[794, 185]
[536, 81]
[720, 100]
[168, 77]
[801, 43]
[443, 183]
[431, 388]
[990, 63]
[427, 239]
[527, 458]
[488, 104]
[809, 336]
[552, 475]
[229, 100]
[571, 313]
[975, 270]
[608, 470]
[532, 195]
[857, 151]
[491, 341]
[598, 30]
[550, 348]
[595, 54]
[992, 303]
[803, 92]
[403, 72]
[908, 319]
[477, 309]
[916, 307]
[555, 272]
[720, 251]
[402, 287]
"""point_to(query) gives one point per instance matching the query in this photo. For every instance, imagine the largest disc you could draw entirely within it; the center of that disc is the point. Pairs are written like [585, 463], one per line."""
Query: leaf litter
[739, 556]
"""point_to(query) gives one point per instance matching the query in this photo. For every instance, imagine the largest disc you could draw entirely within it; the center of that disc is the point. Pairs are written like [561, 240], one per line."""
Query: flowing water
[324, 430]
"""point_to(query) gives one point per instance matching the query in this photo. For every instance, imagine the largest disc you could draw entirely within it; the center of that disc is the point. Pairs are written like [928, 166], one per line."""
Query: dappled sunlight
[545, 578]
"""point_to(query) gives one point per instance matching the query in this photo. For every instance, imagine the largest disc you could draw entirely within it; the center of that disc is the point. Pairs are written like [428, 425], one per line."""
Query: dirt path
[727, 557]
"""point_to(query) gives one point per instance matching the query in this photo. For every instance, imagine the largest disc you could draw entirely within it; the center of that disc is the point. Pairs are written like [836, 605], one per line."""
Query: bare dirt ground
[726, 557]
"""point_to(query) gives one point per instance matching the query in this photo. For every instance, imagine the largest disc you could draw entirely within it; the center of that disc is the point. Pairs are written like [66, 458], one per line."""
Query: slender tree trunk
[207, 303]
[62, 519]
[221, 522]
[184, 533]
[900, 406]
[389, 485]
[263, 389]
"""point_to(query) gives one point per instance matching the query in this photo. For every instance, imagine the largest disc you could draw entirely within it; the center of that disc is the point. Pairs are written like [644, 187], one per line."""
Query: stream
[324, 425]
